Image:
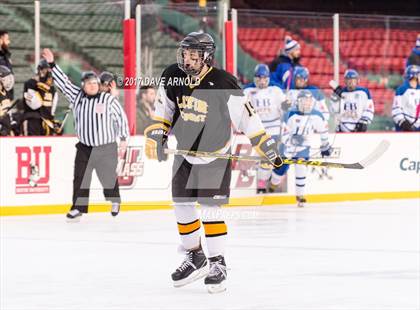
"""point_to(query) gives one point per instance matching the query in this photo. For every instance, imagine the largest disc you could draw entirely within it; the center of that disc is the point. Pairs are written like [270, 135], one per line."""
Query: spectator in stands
[406, 106]
[414, 58]
[5, 56]
[40, 103]
[282, 67]
[146, 108]
[109, 84]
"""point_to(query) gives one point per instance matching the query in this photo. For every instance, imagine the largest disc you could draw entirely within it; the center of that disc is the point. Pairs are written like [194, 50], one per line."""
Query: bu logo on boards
[33, 169]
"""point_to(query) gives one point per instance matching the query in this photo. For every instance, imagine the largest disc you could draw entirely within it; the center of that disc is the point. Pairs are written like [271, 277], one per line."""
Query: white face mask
[8, 82]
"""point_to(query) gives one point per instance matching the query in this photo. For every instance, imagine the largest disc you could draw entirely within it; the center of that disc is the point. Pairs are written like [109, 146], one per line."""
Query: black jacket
[5, 59]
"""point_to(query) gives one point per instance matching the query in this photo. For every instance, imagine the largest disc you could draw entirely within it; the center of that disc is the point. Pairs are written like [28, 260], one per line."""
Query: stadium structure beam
[229, 57]
[129, 81]
[234, 18]
[138, 45]
[225, 19]
[336, 47]
[37, 31]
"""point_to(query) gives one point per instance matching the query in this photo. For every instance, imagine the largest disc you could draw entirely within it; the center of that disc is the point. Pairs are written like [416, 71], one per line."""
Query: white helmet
[305, 101]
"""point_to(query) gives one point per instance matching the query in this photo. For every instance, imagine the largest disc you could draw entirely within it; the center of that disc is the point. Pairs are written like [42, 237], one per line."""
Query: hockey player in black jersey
[199, 104]
[5, 103]
[41, 99]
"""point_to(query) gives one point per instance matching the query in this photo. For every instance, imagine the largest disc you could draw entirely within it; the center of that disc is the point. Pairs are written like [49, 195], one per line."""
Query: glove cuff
[259, 138]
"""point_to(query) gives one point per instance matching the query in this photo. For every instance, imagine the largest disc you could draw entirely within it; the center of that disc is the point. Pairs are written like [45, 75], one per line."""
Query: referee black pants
[102, 159]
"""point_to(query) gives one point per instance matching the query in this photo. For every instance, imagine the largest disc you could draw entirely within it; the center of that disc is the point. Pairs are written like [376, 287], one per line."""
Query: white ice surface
[351, 255]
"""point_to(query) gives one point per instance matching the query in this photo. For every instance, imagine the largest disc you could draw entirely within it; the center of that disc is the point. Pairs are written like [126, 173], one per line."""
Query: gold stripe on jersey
[192, 85]
[161, 119]
[188, 228]
[214, 229]
[258, 133]
[156, 126]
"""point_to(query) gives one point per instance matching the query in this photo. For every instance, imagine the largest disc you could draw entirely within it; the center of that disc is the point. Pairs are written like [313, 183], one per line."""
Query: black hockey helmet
[43, 64]
[106, 77]
[7, 78]
[201, 42]
[4, 71]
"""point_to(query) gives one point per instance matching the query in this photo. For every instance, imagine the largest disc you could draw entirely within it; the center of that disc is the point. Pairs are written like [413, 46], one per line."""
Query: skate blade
[74, 220]
[196, 275]
[300, 204]
[216, 288]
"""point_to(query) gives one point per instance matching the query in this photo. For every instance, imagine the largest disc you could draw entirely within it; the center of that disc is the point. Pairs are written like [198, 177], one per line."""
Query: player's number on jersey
[350, 110]
[302, 130]
[249, 108]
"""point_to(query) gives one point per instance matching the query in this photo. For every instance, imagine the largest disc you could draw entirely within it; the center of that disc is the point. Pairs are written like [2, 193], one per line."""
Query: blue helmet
[351, 74]
[301, 72]
[411, 72]
[262, 70]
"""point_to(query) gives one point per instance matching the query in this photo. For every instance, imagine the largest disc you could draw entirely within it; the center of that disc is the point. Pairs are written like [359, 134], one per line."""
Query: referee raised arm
[100, 121]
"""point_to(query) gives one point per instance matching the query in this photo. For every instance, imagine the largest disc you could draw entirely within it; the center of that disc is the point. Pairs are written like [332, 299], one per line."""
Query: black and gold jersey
[43, 93]
[5, 102]
[202, 112]
[5, 105]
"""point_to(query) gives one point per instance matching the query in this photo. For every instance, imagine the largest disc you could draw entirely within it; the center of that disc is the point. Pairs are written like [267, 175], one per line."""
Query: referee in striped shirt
[100, 121]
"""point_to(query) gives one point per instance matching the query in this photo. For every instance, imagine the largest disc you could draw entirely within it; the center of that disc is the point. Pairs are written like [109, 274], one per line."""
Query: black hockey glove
[267, 148]
[57, 127]
[326, 150]
[156, 141]
[406, 126]
[334, 98]
[338, 91]
[360, 127]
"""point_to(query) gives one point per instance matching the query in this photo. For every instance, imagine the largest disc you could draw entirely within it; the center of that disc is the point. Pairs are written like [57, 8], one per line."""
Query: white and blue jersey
[354, 107]
[406, 105]
[319, 98]
[298, 129]
[267, 103]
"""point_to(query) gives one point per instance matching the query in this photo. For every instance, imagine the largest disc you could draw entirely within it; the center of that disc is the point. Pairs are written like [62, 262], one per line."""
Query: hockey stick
[64, 120]
[417, 115]
[51, 124]
[370, 159]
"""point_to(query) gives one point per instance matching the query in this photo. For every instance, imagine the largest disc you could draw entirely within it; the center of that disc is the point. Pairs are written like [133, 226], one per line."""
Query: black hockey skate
[192, 268]
[272, 188]
[261, 187]
[115, 209]
[301, 201]
[74, 216]
[215, 281]
[261, 191]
